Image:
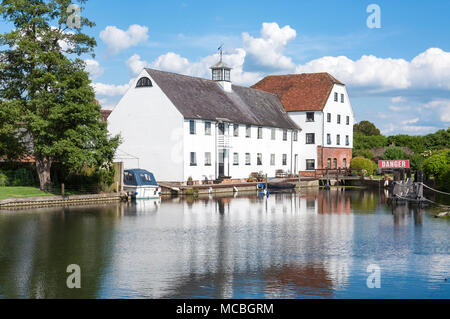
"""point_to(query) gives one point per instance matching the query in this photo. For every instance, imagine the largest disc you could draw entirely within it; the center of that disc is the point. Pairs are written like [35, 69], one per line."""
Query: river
[312, 244]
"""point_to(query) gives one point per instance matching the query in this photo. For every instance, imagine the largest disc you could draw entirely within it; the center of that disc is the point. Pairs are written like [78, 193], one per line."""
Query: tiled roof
[105, 114]
[198, 98]
[300, 92]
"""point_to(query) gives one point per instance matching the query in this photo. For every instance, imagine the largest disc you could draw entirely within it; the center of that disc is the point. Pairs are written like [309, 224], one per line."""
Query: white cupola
[221, 74]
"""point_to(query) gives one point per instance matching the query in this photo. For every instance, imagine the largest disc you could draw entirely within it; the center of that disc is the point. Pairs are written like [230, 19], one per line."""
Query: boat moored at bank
[140, 184]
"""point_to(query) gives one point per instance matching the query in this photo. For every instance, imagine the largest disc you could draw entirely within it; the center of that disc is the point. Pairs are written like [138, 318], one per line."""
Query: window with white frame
[247, 159]
[284, 135]
[336, 96]
[284, 159]
[248, 131]
[310, 138]
[236, 130]
[310, 164]
[273, 133]
[236, 159]
[347, 140]
[339, 119]
[272, 159]
[329, 139]
[295, 136]
[193, 159]
[348, 120]
[309, 116]
[260, 132]
[338, 139]
[192, 127]
[259, 159]
[329, 117]
[207, 158]
[342, 98]
[207, 128]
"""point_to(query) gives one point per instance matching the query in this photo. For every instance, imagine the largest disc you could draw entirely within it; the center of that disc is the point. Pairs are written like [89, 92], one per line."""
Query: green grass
[17, 192]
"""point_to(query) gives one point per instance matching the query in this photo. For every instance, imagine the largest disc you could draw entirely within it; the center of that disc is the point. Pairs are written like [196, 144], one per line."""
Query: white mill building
[179, 126]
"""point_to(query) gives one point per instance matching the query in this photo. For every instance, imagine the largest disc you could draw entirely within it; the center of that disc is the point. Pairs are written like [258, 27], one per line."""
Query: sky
[396, 65]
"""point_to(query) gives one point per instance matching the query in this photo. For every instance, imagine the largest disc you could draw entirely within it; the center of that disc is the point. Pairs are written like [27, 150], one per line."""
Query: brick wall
[324, 153]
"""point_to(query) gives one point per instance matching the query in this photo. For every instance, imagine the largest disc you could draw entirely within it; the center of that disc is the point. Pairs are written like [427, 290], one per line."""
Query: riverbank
[21, 192]
[180, 189]
[44, 201]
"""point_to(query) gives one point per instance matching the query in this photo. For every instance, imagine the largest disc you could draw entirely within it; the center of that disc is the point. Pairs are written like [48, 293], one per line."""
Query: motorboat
[140, 184]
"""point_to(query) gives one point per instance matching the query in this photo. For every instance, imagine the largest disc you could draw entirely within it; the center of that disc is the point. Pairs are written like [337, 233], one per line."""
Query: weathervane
[220, 49]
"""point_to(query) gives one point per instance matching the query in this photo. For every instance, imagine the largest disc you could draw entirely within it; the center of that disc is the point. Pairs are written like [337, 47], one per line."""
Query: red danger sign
[393, 164]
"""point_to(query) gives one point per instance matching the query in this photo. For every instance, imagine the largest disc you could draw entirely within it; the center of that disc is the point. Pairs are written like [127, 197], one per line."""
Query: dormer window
[144, 82]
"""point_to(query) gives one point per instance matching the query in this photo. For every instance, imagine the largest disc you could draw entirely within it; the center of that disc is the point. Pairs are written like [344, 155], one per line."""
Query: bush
[436, 164]
[363, 153]
[23, 177]
[416, 161]
[365, 164]
[393, 153]
[444, 179]
[3, 180]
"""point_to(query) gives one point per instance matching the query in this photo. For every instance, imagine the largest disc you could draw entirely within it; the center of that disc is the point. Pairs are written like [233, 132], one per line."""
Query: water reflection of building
[221, 246]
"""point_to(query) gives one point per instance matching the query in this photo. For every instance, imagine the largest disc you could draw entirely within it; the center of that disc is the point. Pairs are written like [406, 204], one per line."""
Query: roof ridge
[208, 80]
[179, 74]
[330, 76]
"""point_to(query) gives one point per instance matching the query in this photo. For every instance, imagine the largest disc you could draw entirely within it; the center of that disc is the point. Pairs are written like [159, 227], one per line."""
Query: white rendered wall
[200, 143]
[308, 151]
[320, 127]
[152, 130]
[336, 108]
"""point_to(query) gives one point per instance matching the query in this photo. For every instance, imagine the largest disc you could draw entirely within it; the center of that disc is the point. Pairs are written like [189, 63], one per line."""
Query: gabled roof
[105, 114]
[197, 98]
[300, 92]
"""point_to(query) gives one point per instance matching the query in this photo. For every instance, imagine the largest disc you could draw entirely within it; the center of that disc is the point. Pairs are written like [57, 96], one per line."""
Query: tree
[393, 153]
[366, 128]
[363, 142]
[438, 140]
[363, 153]
[365, 164]
[414, 143]
[44, 84]
[436, 164]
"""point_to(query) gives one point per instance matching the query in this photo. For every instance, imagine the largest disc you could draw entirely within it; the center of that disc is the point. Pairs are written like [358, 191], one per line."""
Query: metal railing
[223, 141]
[339, 172]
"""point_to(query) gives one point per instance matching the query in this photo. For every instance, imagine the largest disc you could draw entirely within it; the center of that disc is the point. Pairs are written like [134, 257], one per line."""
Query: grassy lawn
[16, 192]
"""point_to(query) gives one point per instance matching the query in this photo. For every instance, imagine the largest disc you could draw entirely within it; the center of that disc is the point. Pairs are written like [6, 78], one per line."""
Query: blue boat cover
[139, 177]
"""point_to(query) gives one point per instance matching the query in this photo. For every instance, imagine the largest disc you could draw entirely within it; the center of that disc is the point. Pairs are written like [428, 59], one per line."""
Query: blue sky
[398, 76]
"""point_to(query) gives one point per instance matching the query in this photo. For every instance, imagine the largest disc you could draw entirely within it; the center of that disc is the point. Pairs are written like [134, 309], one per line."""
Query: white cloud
[110, 90]
[93, 68]
[267, 51]
[369, 71]
[412, 121]
[118, 40]
[398, 108]
[428, 70]
[135, 64]
[398, 99]
[442, 106]
[431, 69]
[173, 62]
